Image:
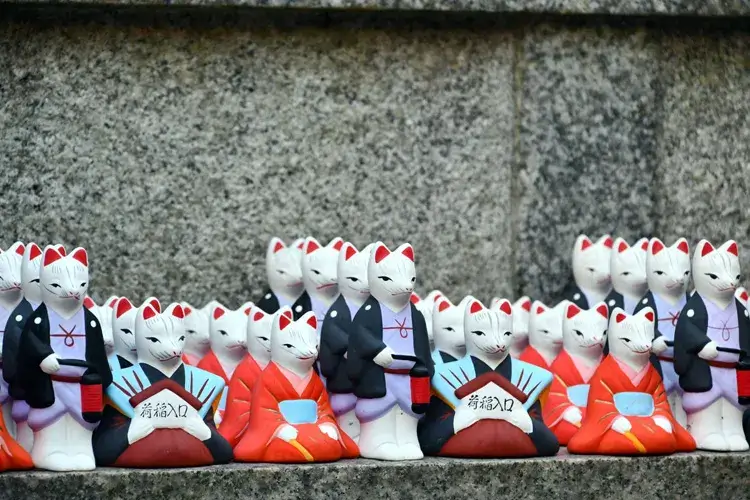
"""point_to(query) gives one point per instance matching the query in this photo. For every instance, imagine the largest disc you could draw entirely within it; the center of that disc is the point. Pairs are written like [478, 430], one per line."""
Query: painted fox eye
[659, 273]
[712, 276]
[591, 269]
[508, 334]
[577, 332]
[54, 285]
[478, 333]
[154, 340]
[413, 279]
[83, 284]
[280, 271]
[385, 278]
[264, 339]
[315, 271]
[352, 279]
[182, 337]
[546, 332]
[191, 332]
[625, 339]
[687, 273]
[625, 273]
[738, 277]
[35, 280]
[223, 332]
[449, 329]
[288, 346]
[126, 331]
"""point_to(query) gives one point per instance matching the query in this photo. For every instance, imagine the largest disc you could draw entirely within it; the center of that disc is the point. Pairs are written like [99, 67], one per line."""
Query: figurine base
[718, 427]
[390, 437]
[63, 446]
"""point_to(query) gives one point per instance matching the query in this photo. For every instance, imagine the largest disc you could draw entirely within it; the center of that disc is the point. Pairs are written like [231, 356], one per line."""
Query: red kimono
[260, 443]
[566, 375]
[12, 455]
[190, 360]
[645, 437]
[211, 364]
[237, 411]
[531, 355]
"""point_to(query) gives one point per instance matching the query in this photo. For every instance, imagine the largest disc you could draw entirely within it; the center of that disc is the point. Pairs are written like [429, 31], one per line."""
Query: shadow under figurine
[62, 366]
[389, 359]
[291, 420]
[485, 404]
[627, 412]
[159, 411]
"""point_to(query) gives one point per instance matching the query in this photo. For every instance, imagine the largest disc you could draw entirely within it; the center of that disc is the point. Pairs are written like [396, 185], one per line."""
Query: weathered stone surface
[645, 478]
[174, 154]
[588, 126]
[704, 176]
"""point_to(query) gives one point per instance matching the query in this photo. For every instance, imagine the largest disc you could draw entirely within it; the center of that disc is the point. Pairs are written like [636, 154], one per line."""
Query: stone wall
[173, 142]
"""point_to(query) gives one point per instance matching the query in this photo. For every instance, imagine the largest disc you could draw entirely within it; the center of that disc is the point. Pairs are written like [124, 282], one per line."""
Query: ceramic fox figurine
[104, 314]
[240, 392]
[668, 270]
[584, 335]
[627, 412]
[521, 316]
[123, 333]
[545, 334]
[628, 274]
[290, 417]
[591, 271]
[198, 341]
[228, 332]
[159, 410]
[284, 274]
[334, 335]
[11, 295]
[62, 366]
[711, 331]
[319, 274]
[485, 403]
[426, 306]
[32, 296]
[448, 330]
[389, 359]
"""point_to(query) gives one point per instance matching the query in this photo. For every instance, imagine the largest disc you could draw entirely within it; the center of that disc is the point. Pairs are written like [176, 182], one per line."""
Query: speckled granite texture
[563, 478]
[617, 7]
[174, 142]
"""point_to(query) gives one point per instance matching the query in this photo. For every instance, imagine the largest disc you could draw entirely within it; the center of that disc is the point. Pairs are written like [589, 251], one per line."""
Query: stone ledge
[696, 475]
[566, 7]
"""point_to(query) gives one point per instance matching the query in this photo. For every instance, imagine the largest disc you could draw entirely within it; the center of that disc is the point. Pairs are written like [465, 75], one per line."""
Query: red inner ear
[148, 312]
[311, 246]
[88, 303]
[381, 253]
[644, 245]
[61, 249]
[258, 316]
[707, 249]
[585, 243]
[608, 243]
[437, 296]
[155, 304]
[301, 245]
[683, 247]
[733, 249]
[51, 255]
[178, 312]
[218, 312]
[123, 306]
[284, 321]
[247, 310]
[656, 247]
[572, 310]
[35, 251]
[475, 307]
[288, 314]
[620, 317]
[337, 246]
[187, 311]
[539, 309]
[112, 303]
[278, 246]
[443, 306]
[20, 249]
[313, 322]
[409, 252]
[602, 309]
[414, 298]
[350, 252]
[80, 256]
[623, 246]
[526, 305]
[505, 307]
[649, 316]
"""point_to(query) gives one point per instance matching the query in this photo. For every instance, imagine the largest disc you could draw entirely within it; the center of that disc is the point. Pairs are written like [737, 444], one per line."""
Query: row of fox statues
[340, 358]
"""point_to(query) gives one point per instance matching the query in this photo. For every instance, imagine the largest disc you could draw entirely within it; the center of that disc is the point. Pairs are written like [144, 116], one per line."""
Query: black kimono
[575, 295]
[269, 303]
[366, 341]
[34, 347]
[11, 341]
[334, 342]
[301, 306]
[691, 336]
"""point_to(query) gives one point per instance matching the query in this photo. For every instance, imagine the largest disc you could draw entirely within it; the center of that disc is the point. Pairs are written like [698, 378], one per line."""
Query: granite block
[704, 179]
[566, 7]
[173, 153]
[695, 475]
[588, 123]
